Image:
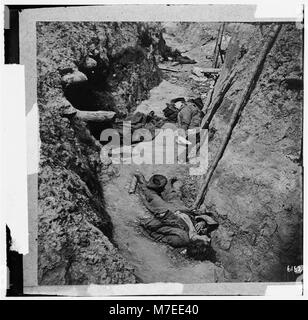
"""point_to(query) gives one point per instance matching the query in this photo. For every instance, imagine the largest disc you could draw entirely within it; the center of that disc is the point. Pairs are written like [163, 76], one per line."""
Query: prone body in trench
[172, 222]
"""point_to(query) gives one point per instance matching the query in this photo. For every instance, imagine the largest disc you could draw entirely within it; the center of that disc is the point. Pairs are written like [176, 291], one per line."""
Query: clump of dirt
[256, 191]
[75, 233]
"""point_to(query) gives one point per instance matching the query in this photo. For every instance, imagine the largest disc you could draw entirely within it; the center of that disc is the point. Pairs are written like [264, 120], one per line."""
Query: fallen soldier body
[173, 223]
[189, 116]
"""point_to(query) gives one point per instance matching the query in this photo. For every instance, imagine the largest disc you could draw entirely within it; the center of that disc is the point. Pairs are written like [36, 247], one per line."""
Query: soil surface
[88, 222]
[154, 261]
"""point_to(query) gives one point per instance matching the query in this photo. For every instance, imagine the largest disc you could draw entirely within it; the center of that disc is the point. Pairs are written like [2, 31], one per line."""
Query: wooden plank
[95, 116]
[211, 70]
[168, 69]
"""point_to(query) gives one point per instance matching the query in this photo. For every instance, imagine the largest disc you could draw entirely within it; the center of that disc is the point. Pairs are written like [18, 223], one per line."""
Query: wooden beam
[89, 116]
[95, 116]
[211, 70]
[168, 69]
[237, 111]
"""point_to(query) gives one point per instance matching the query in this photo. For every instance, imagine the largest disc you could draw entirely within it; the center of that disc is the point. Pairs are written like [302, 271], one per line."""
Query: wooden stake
[237, 111]
[218, 45]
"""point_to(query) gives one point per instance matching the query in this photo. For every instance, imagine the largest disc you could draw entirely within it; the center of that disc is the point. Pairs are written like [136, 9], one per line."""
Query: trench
[254, 193]
[152, 261]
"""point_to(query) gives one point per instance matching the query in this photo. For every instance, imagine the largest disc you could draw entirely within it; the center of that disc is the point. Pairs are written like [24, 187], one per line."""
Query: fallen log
[237, 111]
[89, 116]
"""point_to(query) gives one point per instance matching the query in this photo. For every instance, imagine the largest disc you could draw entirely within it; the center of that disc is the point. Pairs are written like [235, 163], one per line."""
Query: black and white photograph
[170, 152]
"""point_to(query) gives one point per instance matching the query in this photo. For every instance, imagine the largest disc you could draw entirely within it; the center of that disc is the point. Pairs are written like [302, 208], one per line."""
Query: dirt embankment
[256, 189]
[197, 39]
[255, 192]
[75, 232]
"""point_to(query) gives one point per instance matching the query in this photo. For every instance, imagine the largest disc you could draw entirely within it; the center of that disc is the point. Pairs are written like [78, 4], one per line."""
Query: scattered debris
[168, 69]
[293, 82]
[200, 74]
[197, 71]
[133, 185]
[183, 60]
[196, 78]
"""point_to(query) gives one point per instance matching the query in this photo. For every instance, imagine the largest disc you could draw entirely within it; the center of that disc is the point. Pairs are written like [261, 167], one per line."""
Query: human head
[199, 250]
[157, 182]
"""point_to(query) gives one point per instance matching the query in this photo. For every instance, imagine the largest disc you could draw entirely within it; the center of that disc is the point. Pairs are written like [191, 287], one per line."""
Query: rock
[220, 275]
[268, 227]
[197, 72]
[89, 63]
[105, 160]
[222, 238]
[200, 79]
[75, 78]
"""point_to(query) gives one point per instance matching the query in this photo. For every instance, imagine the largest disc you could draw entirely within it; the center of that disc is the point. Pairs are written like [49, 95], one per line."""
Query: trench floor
[154, 261]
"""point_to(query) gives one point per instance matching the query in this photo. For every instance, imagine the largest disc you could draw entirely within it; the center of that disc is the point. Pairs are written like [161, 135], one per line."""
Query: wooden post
[237, 111]
[218, 45]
